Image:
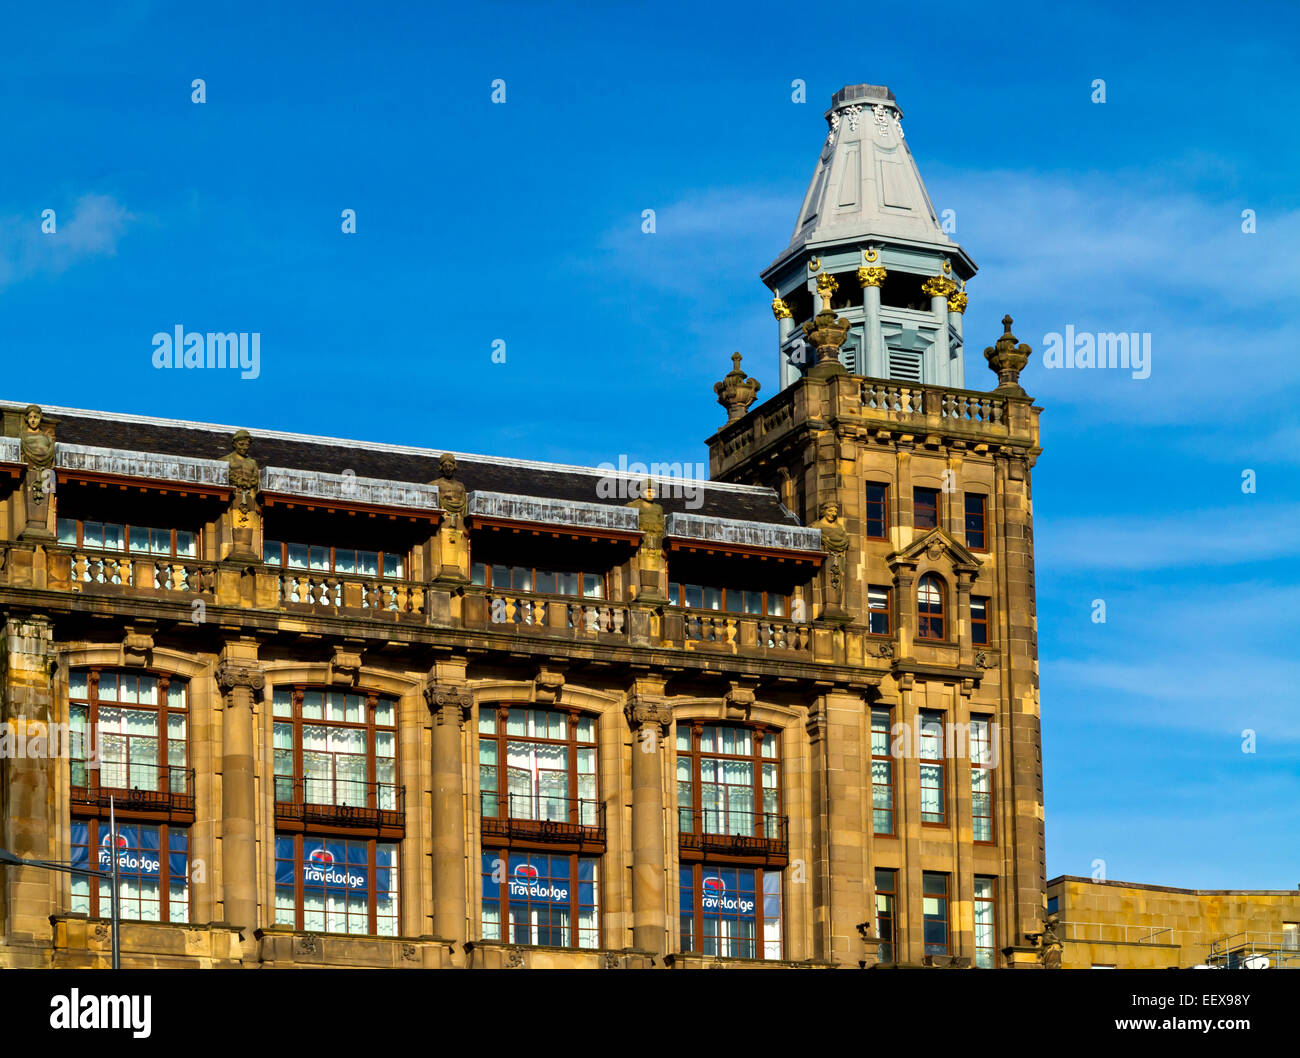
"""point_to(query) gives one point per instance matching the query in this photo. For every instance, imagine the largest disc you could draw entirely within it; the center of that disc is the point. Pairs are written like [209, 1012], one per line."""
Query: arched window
[929, 607]
[339, 810]
[127, 742]
[543, 826]
[732, 839]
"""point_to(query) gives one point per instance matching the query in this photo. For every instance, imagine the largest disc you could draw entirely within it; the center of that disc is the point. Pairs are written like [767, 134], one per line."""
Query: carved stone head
[241, 442]
[830, 510]
[33, 416]
[447, 465]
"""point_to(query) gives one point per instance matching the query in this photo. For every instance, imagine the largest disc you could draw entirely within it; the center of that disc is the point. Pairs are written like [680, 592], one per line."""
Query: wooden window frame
[677, 590]
[992, 902]
[888, 759]
[571, 743]
[981, 623]
[891, 916]
[127, 549]
[283, 564]
[581, 574]
[987, 771]
[298, 779]
[939, 762]
[981, 515]
[175, 805]
[503, 898]
[925, 622]
[97, 828]
[918, 506]
[887, 610]
[698, 871]
[758, 735]
[926, 945]
[869, 517]
[372, 843]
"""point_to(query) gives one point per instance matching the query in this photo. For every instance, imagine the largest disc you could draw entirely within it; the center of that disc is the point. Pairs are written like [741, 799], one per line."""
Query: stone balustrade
[328, 595]
[80, 570]
[305, 588]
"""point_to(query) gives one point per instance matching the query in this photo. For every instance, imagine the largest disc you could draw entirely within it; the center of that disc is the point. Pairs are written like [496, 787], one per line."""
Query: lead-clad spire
[868, 224]
[866, 183]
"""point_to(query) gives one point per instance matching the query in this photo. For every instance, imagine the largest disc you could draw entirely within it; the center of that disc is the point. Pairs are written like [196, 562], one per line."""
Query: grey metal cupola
[867, 237]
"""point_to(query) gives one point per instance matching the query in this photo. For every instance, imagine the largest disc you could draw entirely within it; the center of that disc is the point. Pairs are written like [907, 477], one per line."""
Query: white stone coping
[348, 488]
[181, 469]
[10, 450]
[742, 533]
[552, 512]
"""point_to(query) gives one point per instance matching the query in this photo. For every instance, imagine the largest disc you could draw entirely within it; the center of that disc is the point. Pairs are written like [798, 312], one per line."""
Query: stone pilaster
[240, 680]
[841, 892]
[1019, 636]
[650, 718]
[449, 702]
[31, 816]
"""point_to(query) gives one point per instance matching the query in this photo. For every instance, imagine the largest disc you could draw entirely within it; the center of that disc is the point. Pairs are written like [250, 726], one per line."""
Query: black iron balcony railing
[133, 787]
[734, 833]
[543, 817]
[340, 802]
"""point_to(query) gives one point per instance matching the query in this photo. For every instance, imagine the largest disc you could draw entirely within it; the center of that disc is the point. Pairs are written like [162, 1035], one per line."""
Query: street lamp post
[8, 859]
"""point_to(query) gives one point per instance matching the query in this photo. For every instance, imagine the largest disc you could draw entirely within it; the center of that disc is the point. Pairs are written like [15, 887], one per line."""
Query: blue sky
[522, 222]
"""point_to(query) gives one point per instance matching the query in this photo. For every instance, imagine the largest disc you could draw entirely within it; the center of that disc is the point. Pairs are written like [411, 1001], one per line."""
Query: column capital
[939, 286]
[237, 674]
[449, 703]
[779, 308]
[642, 712]
[872, 277]
[957, 301]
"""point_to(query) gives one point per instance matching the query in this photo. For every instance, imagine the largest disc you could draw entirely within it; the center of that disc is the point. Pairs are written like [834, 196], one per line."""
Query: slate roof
[392, 462]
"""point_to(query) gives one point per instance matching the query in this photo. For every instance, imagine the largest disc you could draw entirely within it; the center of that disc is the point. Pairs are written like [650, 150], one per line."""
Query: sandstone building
[1122, 925]
[361, 705]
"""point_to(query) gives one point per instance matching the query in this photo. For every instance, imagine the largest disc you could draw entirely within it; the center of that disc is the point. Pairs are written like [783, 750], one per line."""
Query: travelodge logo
[714, 899]
[525, 883]
[320, 869]
[138, 862]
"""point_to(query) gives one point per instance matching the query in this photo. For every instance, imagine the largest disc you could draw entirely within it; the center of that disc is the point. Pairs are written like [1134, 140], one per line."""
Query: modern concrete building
[1123, 925]
[362, 705]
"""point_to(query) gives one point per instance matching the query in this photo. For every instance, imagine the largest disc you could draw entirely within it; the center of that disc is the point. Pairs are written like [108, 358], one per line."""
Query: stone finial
[1008, 358]
[827, 332]
[736, 392]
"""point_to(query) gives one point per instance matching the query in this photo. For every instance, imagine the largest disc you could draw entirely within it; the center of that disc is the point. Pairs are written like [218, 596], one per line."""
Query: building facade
[366, 705]
[1127, 926]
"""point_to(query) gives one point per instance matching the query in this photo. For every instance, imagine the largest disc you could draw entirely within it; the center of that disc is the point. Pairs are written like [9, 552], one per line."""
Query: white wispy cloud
[1187, 539]
[91, 228]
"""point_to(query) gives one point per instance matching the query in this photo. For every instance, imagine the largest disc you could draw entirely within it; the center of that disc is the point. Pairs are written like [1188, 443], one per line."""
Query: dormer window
[136, 539]
[533, 580]
[930, 599]
[320, 558]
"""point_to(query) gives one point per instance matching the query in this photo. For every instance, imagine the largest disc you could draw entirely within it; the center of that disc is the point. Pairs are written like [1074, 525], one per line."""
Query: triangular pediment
[934, 545]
